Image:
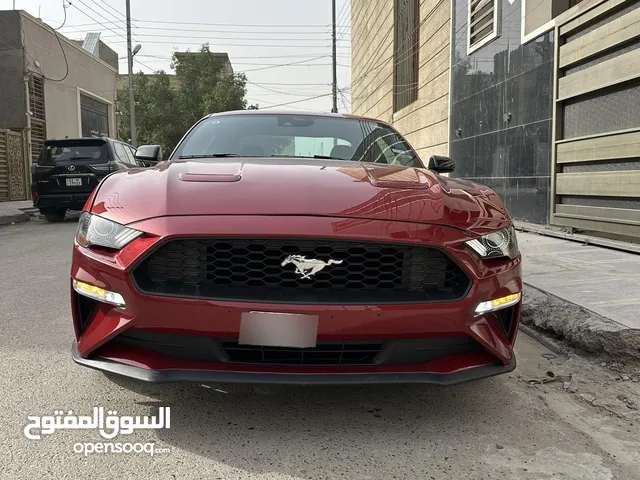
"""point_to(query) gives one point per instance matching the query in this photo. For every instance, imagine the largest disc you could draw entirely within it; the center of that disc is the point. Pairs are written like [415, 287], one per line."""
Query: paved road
[501, 428]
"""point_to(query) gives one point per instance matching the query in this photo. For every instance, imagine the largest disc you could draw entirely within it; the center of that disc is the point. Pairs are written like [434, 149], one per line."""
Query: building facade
[400, 67]
[543, 101]
[51, 87]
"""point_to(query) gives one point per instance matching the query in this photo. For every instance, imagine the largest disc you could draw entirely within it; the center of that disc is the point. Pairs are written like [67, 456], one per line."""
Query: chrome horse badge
[308, 267]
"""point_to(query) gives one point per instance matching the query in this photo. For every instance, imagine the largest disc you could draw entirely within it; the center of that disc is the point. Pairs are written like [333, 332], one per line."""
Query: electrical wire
[64, 54]
[263, 57]
[231, 25]
[280, 92]
[107, 12]
[206, 38]
[253, 45]
[89, 16]
[234, 31]
[294, 101]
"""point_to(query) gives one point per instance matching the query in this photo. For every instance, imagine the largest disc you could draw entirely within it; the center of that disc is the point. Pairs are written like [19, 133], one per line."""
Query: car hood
[271, 186]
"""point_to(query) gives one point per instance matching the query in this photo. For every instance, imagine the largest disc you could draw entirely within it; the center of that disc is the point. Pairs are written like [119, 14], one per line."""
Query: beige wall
[424, 122]
[87, 73]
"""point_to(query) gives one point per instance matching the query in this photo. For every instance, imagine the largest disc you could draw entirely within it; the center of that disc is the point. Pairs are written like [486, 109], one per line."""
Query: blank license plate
[74, 182]
[278, 329]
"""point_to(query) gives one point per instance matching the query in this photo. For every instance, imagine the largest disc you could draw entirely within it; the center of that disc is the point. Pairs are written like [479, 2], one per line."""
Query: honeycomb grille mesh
[253, 270]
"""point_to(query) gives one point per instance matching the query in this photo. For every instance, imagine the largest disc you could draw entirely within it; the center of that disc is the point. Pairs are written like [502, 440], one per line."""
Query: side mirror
[441, 164]
[149, 154]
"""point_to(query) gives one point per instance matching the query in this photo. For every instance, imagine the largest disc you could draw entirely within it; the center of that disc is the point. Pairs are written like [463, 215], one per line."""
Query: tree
[156, 103]
[167, 105]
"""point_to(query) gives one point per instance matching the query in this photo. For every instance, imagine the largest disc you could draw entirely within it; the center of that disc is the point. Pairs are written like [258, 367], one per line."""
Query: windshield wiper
[210, 155]
[325, 157]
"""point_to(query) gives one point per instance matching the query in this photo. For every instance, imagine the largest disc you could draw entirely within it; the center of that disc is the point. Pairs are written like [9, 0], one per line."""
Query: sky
[260, 36]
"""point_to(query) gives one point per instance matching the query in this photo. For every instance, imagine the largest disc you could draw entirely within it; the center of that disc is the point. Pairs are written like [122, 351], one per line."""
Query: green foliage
[168, 105]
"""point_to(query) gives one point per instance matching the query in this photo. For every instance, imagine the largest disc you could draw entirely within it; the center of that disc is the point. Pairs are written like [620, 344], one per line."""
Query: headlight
[499, 244]
[97, 231]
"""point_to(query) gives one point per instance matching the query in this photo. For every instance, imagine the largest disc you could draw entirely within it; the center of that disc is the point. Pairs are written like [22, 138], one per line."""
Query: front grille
[212, 350]
[252, 270]
[326, 353]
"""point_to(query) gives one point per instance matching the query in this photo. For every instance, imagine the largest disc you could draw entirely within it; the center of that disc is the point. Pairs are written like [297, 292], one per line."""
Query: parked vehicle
[69, 169]
[295, 248]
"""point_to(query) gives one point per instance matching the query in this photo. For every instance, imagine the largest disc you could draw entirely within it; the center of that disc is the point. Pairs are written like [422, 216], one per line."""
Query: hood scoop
[212, 172]
[396, 177]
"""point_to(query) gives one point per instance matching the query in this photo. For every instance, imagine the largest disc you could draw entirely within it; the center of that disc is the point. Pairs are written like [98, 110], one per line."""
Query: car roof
[296, 113]
[82, 139]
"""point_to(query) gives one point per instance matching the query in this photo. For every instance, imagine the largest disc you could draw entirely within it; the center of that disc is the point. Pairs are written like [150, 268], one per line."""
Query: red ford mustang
[295, 248]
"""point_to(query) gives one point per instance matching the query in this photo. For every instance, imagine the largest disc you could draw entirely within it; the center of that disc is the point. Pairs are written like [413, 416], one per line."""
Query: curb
[545, 315]
[550, 343]
[16, 218]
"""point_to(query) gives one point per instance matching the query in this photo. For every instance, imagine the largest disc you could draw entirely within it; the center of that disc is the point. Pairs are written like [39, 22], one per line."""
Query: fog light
[99, 294]
[498, 303]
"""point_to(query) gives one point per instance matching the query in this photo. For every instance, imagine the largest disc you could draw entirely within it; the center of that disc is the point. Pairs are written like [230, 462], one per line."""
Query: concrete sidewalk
[15, 212]
[587, 295]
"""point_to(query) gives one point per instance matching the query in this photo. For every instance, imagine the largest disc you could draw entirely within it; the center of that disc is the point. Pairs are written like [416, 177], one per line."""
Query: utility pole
[334, 86]
[132, 101]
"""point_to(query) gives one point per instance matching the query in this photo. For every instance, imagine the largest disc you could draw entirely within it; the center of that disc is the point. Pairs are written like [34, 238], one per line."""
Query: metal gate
[13, 166]
[596, 148]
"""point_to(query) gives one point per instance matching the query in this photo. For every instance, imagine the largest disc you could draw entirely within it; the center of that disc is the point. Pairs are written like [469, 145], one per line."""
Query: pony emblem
[308, 267]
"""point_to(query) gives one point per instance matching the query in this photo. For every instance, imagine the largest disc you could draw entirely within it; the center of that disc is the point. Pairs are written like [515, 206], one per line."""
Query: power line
[295, 101]
[230, 25]
[89, 16]
[270, 66]
[64, 54]
[167, 57]
[234, 31]
[105, 10]
[124, 18]
[200, 41]
[154, 35]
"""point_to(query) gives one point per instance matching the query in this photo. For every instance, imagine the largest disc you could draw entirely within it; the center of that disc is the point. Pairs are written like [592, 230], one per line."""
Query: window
[483, 25]
[121, 154]
[95, 117]
[538, 16]
[38, 115]
[131, 159]
[406, 57]
[306, 136]
[64, 150]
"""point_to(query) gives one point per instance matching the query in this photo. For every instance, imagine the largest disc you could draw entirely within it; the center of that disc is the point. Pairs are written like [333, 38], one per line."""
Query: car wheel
[54, 215]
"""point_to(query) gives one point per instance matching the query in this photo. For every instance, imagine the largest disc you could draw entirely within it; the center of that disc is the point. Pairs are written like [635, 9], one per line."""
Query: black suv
[69, 169]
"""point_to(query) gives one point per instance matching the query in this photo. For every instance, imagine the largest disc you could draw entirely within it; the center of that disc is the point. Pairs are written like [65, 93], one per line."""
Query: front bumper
[208, 376]
[97, 338]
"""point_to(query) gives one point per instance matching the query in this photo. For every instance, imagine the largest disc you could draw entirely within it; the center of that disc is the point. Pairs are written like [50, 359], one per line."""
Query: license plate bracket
[272, 329]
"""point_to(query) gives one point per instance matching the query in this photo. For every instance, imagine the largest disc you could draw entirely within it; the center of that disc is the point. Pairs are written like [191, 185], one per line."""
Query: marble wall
[501, 97]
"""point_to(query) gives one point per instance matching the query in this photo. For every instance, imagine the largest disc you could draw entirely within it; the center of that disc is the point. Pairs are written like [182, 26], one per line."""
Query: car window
[290, 135]
[130, 155]
[55, 151]
[121, 154]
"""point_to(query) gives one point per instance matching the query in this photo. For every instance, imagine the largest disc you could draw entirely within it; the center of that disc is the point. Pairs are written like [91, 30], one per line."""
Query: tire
[54, 214]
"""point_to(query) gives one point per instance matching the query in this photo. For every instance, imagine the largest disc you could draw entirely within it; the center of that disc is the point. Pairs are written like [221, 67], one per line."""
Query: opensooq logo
[110, 426]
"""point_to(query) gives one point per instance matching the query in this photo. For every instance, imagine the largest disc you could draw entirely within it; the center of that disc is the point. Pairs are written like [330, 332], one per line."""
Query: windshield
[69, 151]
[305, 136]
